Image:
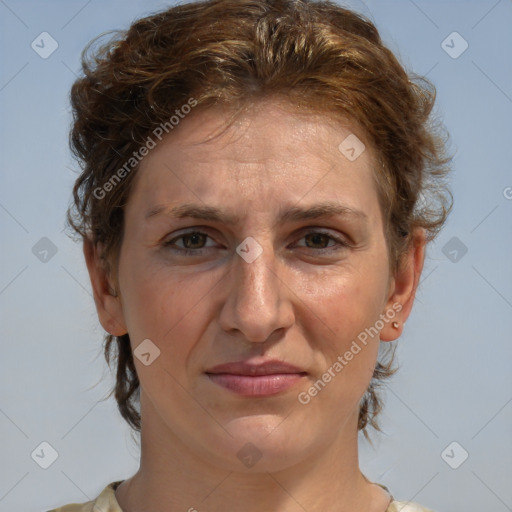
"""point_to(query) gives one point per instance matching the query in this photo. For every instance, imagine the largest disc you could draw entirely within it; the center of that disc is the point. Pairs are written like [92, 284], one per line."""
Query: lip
[256, 380]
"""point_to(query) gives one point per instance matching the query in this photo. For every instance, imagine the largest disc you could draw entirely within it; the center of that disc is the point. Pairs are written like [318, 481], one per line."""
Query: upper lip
[271, 367]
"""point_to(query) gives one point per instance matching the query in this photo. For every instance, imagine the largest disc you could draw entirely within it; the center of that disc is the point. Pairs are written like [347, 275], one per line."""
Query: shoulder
[75, 507]
[406, 506]
[402, 506]
[106, 502]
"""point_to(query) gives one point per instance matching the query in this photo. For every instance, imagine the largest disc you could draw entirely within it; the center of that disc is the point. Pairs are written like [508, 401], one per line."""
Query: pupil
[316, 237]
[193, 236]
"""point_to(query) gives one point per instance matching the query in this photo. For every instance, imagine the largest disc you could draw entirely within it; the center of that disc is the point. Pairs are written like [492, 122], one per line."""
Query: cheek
[348, 304]
[167, 306]
[347, 308]
[348, 301]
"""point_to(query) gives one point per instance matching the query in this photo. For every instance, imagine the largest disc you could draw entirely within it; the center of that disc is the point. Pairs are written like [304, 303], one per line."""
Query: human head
[323, 58]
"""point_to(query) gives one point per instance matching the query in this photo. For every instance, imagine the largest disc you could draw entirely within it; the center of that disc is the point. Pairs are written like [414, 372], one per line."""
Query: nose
[257, 298]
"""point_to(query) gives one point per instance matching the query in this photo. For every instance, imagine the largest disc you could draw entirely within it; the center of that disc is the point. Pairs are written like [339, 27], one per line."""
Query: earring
[395, 325]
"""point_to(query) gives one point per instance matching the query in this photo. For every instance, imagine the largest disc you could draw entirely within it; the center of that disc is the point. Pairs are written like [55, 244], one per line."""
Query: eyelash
[197, 252]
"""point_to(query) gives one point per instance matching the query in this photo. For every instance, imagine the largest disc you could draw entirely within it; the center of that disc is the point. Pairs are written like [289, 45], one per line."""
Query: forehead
[268, 127]
[270, 152]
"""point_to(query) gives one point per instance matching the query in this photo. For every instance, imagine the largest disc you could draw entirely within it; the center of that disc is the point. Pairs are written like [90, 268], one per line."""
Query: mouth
[256, 380]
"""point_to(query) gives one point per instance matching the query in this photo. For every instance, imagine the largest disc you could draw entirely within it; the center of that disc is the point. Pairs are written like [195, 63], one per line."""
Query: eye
[193, 242]
[320, 238]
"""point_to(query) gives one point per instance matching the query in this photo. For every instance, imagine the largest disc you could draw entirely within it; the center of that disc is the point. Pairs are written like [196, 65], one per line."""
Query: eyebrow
[293, 214]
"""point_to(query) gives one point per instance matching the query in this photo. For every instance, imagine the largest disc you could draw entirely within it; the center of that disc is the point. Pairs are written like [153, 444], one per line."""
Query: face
[263, 247]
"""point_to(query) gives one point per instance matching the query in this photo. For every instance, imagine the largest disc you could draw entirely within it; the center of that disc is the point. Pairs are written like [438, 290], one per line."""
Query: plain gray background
[455, 381]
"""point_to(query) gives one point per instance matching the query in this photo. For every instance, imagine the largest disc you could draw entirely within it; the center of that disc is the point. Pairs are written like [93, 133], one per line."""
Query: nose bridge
[256, 285]
[254, 305]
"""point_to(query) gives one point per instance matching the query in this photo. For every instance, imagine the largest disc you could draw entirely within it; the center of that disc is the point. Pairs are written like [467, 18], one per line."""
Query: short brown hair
[323, 57]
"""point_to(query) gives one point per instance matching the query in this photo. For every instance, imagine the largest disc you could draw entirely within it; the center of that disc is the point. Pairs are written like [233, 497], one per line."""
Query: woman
[260, 180]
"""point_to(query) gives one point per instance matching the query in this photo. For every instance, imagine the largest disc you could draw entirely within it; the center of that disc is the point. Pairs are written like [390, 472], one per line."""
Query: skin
[303, 300]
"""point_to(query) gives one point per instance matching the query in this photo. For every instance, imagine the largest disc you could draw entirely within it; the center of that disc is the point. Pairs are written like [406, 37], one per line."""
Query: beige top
[106, 502]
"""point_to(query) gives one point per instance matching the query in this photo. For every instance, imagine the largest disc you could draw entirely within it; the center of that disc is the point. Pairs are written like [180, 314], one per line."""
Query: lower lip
[257, 385]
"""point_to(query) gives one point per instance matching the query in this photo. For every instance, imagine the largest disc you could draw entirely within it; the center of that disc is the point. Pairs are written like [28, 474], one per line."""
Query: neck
[172, 477]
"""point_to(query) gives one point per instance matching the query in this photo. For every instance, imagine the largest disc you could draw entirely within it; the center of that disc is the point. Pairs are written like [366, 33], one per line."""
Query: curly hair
[323, 57]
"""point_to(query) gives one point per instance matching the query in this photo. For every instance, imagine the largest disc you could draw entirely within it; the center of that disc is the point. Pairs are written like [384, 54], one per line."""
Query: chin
[262, 443]
[257, 427]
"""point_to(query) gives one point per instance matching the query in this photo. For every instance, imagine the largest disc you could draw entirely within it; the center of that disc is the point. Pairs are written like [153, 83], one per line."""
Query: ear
[403, 287]
[108, 303]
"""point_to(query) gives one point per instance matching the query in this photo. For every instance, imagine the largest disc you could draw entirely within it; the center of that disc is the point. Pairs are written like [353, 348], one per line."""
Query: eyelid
[327, 234]
[200, 230]
[341, 242]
